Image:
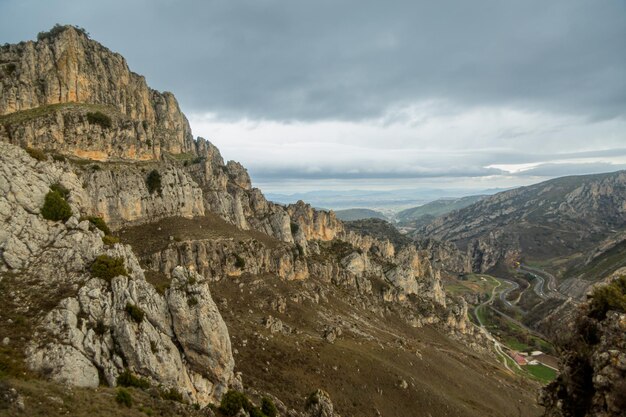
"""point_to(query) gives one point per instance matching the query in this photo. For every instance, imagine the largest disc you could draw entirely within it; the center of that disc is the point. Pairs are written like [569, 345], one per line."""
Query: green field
[541, 372]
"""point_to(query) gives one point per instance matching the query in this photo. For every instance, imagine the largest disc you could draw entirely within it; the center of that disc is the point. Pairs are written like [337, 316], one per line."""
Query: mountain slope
[429, 211]
[552, 219]
[359, 214]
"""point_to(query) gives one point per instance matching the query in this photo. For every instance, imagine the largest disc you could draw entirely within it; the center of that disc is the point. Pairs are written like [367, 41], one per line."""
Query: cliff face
[65, 66]
[82, 332]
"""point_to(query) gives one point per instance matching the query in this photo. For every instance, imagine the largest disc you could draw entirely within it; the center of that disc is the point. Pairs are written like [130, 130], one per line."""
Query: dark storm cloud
[284, 60]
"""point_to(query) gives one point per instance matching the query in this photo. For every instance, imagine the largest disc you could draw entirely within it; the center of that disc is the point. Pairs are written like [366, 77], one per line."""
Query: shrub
[239, 262]
[99, 118]
[10, 69]
[172, 394]
[255, 412]
[126, 379]
[135, 312]
[58, 157]
[123, 397]
[154, 182]
[608, 297]
[233, 401]
[100, 224]
[268, 408]
[36, 153]
[110, 240]
[57, 29]
[65, 193]
[55, 207]
[294, 228]
[100, 328]
[107, 267]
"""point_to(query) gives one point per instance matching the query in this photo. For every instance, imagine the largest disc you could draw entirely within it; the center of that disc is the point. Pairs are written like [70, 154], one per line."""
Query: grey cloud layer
[353, 59]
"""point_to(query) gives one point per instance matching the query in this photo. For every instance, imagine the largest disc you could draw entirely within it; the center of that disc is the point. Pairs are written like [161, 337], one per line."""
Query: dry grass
[363, 368]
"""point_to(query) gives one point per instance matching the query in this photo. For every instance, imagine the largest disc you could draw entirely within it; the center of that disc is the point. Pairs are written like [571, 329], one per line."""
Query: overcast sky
[377, 94]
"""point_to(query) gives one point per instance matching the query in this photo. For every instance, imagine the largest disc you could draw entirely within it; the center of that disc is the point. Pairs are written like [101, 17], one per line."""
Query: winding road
[540, 288]
[496, 345]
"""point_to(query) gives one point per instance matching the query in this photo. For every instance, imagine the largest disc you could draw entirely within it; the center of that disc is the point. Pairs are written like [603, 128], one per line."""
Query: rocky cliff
[592, 382]
[49, 87]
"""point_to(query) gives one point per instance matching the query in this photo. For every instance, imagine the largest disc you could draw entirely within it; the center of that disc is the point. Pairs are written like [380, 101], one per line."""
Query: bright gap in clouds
[425, 145]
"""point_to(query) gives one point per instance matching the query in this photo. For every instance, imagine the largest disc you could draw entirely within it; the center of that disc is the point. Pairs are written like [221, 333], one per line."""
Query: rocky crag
[82, 308]
[592, 382]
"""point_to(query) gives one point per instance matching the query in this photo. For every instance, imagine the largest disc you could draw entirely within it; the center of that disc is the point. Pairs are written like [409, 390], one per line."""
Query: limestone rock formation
[65, 66]
[91, 331]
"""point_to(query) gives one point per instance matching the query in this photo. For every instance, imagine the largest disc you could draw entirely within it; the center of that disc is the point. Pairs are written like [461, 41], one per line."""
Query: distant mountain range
[359, 214]
[387, 202]
[418, 216]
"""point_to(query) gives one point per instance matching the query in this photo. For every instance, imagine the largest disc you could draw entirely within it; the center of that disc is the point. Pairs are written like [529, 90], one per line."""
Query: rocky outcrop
[319, 404]
[593, 375]
[65, 66]
[220, 258]
[94, 328]
[120, 195]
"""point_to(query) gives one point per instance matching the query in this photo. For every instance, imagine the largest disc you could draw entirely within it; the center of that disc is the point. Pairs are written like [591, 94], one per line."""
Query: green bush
[294, 228]
[99, 118]
[65, 193]
[107, 267]
[58, 157]
[268, 408]
[55, 207]
[57, 29]
[135, 312]
[154, 182]
[608, 297]
[172, 394]
[100, 224]
[126, 379]
[233, 401]
[123, 397]
[239, 262]
[36, 153]
[110, 240]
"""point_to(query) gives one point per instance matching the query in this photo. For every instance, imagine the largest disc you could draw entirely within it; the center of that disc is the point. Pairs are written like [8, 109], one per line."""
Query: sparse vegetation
[58, 157]
[124, 397]
[107, 267]
[100, 224]
[239, 262]
[10, 69]
[608, 297]
[110, 240]
[57, 29]
[55, 207]
[233, 401]
[294, 228]
[127, 379]
[172, 394]
[36, 154]
[135, 312]
[99, 118]
[153, 182]
[268, 408]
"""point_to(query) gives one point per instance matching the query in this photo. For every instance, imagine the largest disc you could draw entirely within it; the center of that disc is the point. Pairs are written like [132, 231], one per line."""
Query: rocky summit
[141, 274]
